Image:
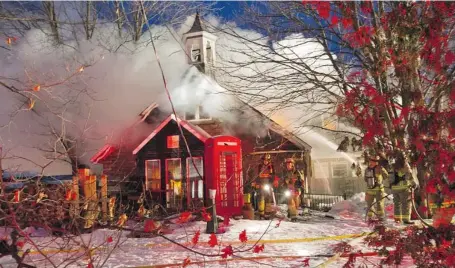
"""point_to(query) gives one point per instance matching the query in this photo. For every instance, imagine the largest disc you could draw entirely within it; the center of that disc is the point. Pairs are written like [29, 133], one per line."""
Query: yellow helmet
[267, 157]
[290, 160]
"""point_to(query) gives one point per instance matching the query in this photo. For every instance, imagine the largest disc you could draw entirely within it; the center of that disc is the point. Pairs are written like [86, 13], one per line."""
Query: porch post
[104, 197]
[74, 210]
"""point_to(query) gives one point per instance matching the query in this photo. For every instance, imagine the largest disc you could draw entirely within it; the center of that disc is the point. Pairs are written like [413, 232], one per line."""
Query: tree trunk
[89, 20]
[138, 22]
[49, 9]
[119, 18]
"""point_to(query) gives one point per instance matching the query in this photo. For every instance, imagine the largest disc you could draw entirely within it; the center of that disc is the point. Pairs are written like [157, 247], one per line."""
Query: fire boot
[292, 209]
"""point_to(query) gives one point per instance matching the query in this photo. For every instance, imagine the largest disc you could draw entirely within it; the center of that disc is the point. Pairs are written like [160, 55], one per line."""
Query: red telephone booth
[223, 172]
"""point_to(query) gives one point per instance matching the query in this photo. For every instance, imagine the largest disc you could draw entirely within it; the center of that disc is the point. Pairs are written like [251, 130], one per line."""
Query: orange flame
[10, 40]
[36, 88]
[81, 69]
[31, 104]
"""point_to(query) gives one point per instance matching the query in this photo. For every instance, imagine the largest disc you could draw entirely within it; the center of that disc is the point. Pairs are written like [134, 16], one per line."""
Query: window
[196, 181]
[153, 175]
[203, 114]
[339, 170]
[209, 52]
[174, 182]
[190, 116]
[173, 142]
[195, 53]
[199, 114]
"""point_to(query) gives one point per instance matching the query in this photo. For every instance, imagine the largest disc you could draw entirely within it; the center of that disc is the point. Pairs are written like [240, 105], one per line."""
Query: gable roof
[102, 154]
[198, 132]
[274, 126]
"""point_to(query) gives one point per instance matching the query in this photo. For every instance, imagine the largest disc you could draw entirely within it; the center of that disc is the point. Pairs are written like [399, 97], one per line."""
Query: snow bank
[355, 207]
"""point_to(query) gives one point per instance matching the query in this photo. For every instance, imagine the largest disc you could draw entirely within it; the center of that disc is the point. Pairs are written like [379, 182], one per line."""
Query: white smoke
[119, 81]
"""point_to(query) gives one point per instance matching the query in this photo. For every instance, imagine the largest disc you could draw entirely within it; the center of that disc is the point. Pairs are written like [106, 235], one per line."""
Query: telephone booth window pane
[223, 181]
[152, 175]
[174, 181]
[236, 180]
[195, 180]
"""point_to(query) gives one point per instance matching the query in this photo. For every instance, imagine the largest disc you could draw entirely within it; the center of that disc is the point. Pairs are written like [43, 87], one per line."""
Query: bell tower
[200, 47]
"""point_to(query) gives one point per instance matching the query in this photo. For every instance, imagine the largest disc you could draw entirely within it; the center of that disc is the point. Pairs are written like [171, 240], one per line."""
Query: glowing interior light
[287, 193]
[267, 187]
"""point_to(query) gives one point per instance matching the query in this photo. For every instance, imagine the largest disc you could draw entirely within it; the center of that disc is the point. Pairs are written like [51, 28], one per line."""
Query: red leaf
[184, 217]
[242, 236]
[109, 239]
[258, 249]
[227, 251]
[431, 187]
[195, 238]
[213, 241]
[449, 57]
[368, 137]
[20, 244]
[323, 8]
[334, 20]
[186, 262]
[419, 145]
[150, 226]
[306, 262]
[346, 22]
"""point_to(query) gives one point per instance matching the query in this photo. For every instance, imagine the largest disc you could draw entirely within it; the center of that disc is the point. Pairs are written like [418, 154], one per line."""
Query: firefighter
[292, 181]
[264, 187]
[374, 176]
[401, 186]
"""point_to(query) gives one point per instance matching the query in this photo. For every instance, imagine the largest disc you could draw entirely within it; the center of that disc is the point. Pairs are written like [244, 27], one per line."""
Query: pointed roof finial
[197, 25]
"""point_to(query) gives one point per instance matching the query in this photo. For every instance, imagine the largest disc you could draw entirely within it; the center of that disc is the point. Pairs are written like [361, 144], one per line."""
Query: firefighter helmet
[375, 158]
[290, 160]
[267, 157]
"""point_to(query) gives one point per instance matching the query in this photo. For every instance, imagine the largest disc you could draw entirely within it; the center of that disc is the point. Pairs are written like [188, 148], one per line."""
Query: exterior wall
[251, 143]
[119, 167]
[156, 148]
[334, 176]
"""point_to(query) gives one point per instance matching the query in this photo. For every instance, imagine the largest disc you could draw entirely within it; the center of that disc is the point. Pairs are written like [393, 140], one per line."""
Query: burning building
[168, 158]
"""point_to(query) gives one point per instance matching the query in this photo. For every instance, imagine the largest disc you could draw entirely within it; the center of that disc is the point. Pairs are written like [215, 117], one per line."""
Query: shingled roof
[197, 25]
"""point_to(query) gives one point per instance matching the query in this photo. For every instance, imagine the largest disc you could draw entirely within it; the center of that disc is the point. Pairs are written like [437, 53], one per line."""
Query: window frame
[189, 180]
[159, 172]
[346, 169]
[197, 115]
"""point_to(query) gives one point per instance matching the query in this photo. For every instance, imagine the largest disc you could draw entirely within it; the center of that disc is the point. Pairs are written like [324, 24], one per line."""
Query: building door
[174, 183]
[229, 180]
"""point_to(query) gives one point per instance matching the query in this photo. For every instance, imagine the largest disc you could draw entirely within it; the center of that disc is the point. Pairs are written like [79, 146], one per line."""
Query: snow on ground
[355, 207]
[156, 251]
[286, 245]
